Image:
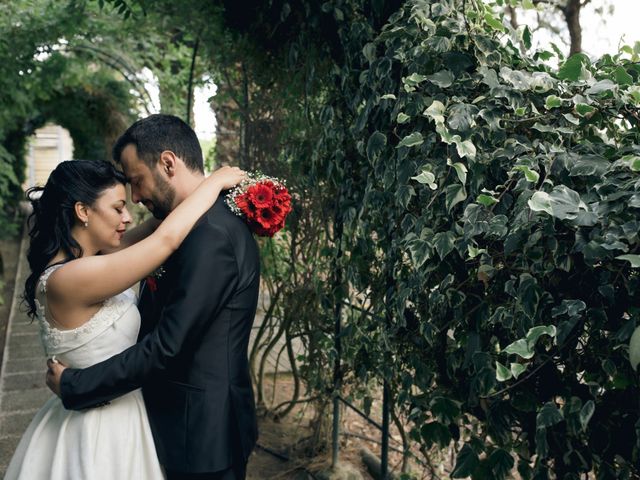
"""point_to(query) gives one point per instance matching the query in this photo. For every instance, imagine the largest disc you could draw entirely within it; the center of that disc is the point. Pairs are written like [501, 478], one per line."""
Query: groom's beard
[162, 200]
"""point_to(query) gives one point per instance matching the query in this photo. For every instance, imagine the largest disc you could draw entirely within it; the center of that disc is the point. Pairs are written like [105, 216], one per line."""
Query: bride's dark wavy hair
[54, 214]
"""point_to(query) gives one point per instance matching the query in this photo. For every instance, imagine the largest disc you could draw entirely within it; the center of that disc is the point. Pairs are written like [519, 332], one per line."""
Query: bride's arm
[90, 280]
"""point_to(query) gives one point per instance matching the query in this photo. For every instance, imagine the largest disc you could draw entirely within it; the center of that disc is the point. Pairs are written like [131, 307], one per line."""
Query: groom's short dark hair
[159, 132]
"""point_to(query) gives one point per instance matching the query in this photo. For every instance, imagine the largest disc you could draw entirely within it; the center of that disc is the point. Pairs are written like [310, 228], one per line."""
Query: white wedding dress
[112, 442]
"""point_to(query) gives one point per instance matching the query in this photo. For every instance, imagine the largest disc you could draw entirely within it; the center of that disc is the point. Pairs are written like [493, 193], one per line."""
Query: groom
[197, 312]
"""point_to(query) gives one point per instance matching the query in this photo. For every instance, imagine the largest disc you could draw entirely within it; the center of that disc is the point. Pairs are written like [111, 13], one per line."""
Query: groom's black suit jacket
[191, 357]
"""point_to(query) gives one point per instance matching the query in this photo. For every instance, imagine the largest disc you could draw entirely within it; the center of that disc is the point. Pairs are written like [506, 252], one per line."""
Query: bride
[82, 267]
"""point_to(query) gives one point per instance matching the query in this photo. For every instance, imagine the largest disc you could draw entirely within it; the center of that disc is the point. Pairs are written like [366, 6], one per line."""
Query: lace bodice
[112, 329]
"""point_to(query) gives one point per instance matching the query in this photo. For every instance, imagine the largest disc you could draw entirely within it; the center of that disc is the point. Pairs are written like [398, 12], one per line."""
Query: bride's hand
[54, 374]
[227, 177]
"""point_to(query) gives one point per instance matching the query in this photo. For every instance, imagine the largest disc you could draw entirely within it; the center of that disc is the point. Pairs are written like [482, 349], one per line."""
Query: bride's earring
[86, 224]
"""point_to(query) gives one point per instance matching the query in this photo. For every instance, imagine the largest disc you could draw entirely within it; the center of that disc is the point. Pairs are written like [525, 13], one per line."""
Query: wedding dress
[106, 443]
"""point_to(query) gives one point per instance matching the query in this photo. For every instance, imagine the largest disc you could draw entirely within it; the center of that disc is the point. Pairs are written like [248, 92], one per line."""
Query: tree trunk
[513, 17]
[571, 13]
[245, 121]
[189, 114]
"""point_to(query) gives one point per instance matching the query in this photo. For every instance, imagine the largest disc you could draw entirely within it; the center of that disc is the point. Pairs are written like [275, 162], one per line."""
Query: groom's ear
[168, 162]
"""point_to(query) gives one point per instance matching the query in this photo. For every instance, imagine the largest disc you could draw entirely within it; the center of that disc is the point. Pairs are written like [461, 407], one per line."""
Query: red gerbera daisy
[261, 195]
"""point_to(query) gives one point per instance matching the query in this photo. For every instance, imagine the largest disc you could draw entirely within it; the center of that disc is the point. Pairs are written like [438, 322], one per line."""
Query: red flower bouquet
[263, 201]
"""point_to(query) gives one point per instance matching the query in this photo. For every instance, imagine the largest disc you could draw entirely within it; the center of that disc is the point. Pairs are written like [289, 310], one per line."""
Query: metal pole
[386, 396]
[335, 445]
[384, 460]
[335, 441]
[337, 374]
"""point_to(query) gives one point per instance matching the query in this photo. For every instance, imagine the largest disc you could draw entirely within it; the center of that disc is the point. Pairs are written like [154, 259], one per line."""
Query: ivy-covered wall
[490, 215]
[485, 220]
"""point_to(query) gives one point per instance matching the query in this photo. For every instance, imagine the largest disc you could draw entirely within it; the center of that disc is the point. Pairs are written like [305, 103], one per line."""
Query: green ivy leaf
[634, 349]
[486, 200]
[375, 145]
[602, 86]
[420, 252]
[623, 77]
[446, 136]
[548, 416]
[544, 128]
[634, 93]
[462, 117]
[632, 161]
[521, 348]
[369, 52]
[414, 79]
[454, 195]
[531, 175]
[542, 445]
[562, 203]
[445, 409]
[443, 78]
[403, 118]
[474, 251]
[502, 373]
[411, 140]
[526, 35]
[634, 260]
[461, 170]
[404, 194]
[586, 412]
[517, 369]
[571, 119]
[536, 332]
[435, 111]
[494, 23]
[540, 202]
[466, 462]
[584, 110]
[426, 177]
[574, 68]
[589, 165]
[438, 43]
[444, 243]
[466, 149]
[501, 463]
[435, 432]
[552, 101]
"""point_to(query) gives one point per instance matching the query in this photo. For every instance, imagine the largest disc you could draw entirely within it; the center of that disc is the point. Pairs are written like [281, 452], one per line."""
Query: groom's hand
[54, 372]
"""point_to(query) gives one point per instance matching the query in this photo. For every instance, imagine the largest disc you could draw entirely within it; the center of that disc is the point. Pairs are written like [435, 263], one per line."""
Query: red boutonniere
[152, 284]
[263, 201]
[152, 280]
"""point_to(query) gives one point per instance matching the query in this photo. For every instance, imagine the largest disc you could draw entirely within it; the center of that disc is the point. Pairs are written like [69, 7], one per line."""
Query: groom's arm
[207, 274]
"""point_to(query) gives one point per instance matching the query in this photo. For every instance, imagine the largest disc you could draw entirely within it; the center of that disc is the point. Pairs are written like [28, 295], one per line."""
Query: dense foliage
[486, 224]
[491, 225]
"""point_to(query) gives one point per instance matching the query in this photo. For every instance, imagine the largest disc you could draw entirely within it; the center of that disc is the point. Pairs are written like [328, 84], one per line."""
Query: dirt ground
[287, 437]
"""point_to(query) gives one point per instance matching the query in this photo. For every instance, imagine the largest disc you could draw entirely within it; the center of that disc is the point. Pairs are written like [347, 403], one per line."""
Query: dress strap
[46, 274]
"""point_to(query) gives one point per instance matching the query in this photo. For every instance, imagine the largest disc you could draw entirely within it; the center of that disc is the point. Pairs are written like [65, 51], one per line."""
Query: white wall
[49, 146]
